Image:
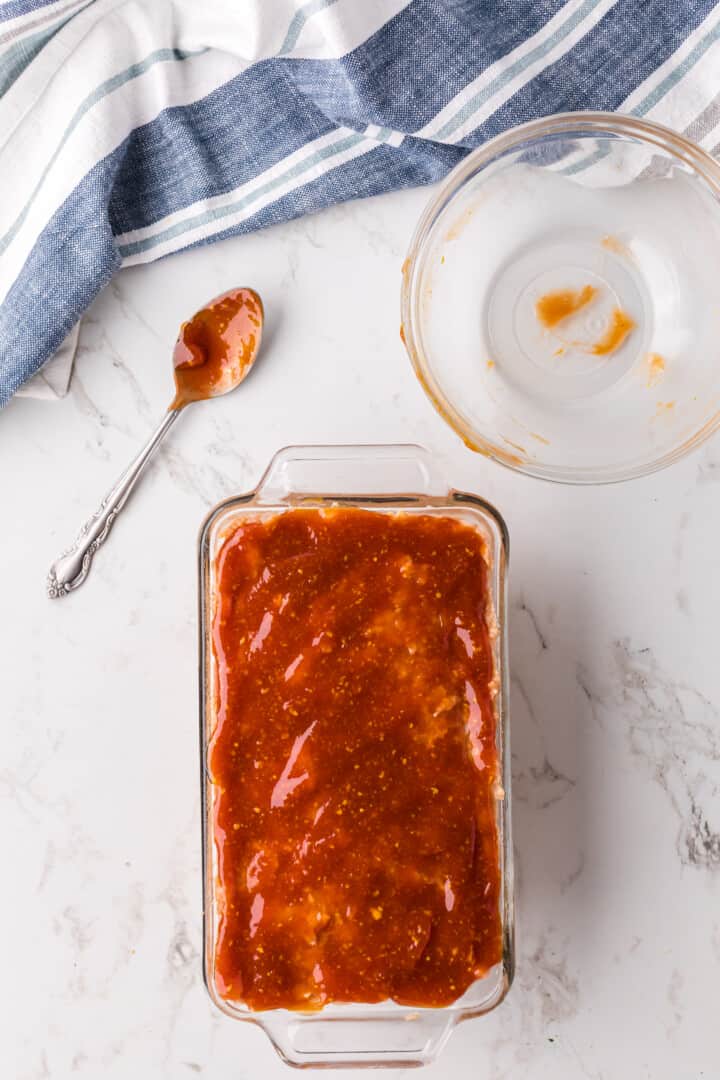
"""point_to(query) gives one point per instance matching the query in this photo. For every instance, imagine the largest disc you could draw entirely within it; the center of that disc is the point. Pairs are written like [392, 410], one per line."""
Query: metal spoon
[213, 353]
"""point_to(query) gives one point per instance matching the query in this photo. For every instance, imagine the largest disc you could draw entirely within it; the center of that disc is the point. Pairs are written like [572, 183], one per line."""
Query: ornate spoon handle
[71, 569]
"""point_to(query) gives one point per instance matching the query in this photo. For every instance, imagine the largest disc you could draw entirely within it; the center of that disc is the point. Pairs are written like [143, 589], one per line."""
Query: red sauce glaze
[353, 761]
[215, 350]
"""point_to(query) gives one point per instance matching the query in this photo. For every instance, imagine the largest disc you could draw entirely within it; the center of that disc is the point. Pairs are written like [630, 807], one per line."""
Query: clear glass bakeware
[384, 479]
[616, 205]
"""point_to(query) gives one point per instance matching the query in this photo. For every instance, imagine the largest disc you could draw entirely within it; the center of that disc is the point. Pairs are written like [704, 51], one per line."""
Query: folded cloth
[130, 130]
[52, 381]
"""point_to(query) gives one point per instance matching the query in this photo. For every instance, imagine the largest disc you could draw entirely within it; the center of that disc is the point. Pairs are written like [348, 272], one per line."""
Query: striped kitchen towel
[130, 129]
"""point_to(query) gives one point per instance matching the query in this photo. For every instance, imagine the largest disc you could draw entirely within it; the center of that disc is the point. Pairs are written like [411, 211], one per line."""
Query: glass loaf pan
[383, 479]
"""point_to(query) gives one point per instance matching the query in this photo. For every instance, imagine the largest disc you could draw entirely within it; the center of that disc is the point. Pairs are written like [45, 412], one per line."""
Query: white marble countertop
[615, 708]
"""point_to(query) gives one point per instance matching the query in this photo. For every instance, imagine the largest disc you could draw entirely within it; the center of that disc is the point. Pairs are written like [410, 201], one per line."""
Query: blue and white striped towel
[131, 129]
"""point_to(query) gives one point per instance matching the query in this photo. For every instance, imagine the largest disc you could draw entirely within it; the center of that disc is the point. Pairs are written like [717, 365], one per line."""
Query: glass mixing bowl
[560, 298]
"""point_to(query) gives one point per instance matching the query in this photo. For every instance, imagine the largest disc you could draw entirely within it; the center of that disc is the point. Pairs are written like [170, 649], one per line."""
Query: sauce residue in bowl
[620, 326]
[614, 244]
[555, 306]
[353, 761]
[663, 408]
[655, 368]
[216, 348]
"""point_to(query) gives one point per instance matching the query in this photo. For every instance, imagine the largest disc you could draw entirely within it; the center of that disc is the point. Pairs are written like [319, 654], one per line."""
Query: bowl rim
[618, 125]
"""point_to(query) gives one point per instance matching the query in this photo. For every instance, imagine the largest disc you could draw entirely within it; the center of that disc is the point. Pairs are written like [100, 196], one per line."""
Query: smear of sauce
[620, 326]
[655, 367]
[455, 229]
[478, 447]
[216, 348]
[553, 307]
[486, 449]
[515, 446]
[611, 243]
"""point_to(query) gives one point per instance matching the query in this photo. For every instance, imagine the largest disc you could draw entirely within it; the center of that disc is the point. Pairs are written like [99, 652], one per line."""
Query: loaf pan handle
[348, 471]
[363, 1040]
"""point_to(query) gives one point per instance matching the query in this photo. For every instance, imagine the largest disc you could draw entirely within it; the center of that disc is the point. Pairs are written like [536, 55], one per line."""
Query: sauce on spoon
[216, 348]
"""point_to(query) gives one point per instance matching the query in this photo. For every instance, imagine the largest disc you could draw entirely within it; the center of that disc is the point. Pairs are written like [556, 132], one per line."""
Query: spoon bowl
[216, 349]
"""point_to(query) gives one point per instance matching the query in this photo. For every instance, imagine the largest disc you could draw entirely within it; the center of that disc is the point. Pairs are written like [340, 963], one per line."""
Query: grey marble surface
[614, 711]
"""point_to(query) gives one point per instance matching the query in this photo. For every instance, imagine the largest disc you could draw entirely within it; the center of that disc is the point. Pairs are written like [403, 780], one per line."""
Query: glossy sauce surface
[216, 348]
[353, 761]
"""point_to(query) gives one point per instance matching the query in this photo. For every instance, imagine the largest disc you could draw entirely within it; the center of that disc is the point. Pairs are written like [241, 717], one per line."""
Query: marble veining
[674, 732]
